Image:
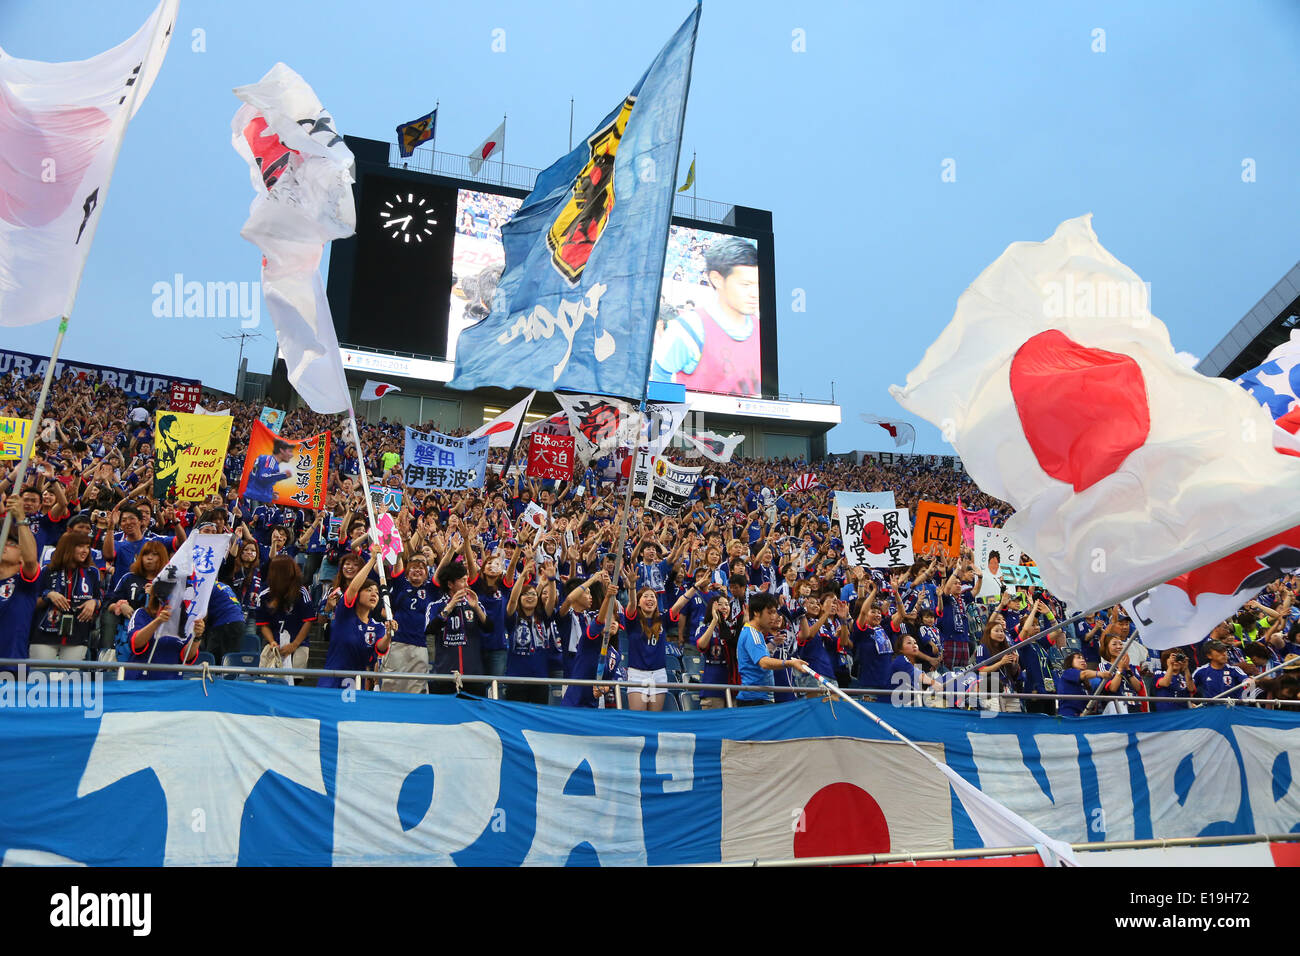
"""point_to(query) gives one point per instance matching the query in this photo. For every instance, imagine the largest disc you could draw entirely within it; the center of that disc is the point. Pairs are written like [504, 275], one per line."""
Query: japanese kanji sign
[670, 488]
[434, 460]
[876, 538]
[938, 532]
[184, 396]
[550, 456]
[283, 471]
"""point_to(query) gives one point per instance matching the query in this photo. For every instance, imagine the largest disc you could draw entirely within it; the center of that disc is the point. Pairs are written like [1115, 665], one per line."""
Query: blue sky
[844, 141]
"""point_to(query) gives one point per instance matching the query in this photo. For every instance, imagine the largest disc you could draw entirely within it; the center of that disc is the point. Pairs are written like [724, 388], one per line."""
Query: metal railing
[494, 173]
[493, 683]
[868, 859]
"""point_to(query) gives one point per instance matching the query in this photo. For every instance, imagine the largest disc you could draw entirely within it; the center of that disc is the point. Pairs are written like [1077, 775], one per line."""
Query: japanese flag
[495, 142]
[787, 799]
[372, 390]
[501, 431]
[61, 125]
[1064, 397]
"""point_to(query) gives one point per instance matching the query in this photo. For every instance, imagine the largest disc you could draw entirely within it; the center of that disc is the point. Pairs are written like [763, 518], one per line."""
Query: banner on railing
[143, 773]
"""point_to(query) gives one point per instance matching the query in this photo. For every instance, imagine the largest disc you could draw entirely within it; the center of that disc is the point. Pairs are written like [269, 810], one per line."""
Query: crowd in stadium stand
[752, 578]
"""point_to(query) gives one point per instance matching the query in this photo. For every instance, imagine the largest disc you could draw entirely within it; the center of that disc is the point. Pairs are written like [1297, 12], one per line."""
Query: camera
[1179, 657]
[164, 585]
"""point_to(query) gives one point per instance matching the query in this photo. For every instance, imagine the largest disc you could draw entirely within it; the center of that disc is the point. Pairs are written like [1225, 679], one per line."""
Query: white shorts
[653, 681]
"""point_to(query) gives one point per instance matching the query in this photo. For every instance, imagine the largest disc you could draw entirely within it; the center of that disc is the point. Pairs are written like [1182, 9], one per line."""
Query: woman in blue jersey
[586, 659]
[646, 646]
[718, 645]
[1002, 674]
[528, 626]
[285, 613]
[356, 633]
[70, 588]
[149, 646]
[1171, 681]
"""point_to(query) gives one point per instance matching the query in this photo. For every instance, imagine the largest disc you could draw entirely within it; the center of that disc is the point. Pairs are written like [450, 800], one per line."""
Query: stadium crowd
[752, 579]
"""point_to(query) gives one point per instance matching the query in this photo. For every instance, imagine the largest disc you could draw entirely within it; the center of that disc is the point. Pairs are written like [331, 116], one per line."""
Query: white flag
[193, 569]
[501, 431]
[717, 448]
[1065, 398]
[660, 423]
[302, 173]
[599, 424]
[493, 144]
[372, 390]
[900, 432]
[60, 125]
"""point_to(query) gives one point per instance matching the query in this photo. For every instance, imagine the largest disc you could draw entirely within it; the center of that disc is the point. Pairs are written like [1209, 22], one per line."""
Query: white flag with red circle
[877, 537]
[373, 391]
[1064, 397]
[501, 431]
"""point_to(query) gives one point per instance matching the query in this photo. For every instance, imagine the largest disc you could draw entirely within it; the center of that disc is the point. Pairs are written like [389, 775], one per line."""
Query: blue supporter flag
[576, 306]
[412, 134]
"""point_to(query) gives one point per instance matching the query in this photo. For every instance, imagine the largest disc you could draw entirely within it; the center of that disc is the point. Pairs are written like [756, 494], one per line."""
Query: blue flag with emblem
[576, 305]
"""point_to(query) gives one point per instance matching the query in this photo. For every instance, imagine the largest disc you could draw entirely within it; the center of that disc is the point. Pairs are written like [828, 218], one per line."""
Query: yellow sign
[13, 436]
[189, 454]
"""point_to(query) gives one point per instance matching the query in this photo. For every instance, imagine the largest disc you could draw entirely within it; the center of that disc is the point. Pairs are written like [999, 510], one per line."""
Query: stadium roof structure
[1261, 330]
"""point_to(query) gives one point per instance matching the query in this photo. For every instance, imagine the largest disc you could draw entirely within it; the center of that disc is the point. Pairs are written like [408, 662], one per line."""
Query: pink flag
[969, 519]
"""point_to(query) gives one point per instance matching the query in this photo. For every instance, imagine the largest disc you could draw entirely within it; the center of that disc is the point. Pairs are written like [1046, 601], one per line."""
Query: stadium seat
[670, 702]
[689, 699]
[694, 668]
[556, 696]
[250, 644]
[240, 659]
[205, 657]
[259, 679]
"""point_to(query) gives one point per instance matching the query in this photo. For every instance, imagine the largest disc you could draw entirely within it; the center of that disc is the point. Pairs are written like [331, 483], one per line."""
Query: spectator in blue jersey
[871, 646]
[998, 675]
[907, 680]
[491, 583]
[46, 506]
[953, 626]
[528, 625]
[269, 470]
[20, 573]
[1035, 658]
[600, 629]
[645, 642]
[1076, 681]
[691, 608]
[820, 634]
[285, 613]
[70, 600]
[357, 633]
[226, 623]
[1171, 681]
[575, 615]
[1218, 676]
[412, 597]
[457, 621]
[132, 592]
[755, 662]
[718, 642]
[147, 643]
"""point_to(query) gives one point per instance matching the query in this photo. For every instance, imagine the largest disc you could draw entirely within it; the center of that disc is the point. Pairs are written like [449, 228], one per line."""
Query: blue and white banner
[576, 306]
[434, 460]
[166, 772]
[879, 500]
[131, 381]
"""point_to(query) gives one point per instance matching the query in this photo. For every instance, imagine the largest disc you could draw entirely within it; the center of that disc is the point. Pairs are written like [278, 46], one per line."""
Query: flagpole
[370, 507]
[514, 442]
[621, 543]
[570, 124]
[433, 140]
[503, 149]
[694, 189]
[20, 474]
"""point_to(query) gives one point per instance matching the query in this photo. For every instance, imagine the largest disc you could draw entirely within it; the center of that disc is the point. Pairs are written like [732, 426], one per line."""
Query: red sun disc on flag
[500, 427]
[841, 819]
[874, 537]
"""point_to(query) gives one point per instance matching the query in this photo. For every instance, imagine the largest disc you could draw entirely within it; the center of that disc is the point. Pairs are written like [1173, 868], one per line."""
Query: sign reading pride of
[876, 538]
[434, 460]
[369, 781]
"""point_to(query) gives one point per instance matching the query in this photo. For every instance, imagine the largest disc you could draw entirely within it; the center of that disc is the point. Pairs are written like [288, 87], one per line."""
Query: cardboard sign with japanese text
[282, 471]
[189, 454]
[184, 397]
[994, 552]
[386, 499]
[13, 436]
[670, 488]
[876, 538]
[550, 456]
[937, 530]
[882, 500]
[435, 460]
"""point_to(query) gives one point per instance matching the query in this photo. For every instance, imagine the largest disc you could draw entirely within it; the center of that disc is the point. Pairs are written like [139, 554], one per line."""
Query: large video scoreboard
[427, 257]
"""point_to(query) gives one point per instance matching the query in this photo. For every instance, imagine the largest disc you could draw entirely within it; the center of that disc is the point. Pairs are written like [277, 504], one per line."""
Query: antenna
[243, 337]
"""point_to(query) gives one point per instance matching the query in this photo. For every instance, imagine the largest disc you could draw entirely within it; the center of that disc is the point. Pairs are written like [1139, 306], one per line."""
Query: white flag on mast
[302, 173]
[61, 124]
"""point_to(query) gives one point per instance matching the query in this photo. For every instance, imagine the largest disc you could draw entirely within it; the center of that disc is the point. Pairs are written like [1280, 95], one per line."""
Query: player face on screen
[737, 291]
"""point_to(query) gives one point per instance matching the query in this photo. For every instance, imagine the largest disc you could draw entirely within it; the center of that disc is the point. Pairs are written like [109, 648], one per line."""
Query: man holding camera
[1171, 681]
